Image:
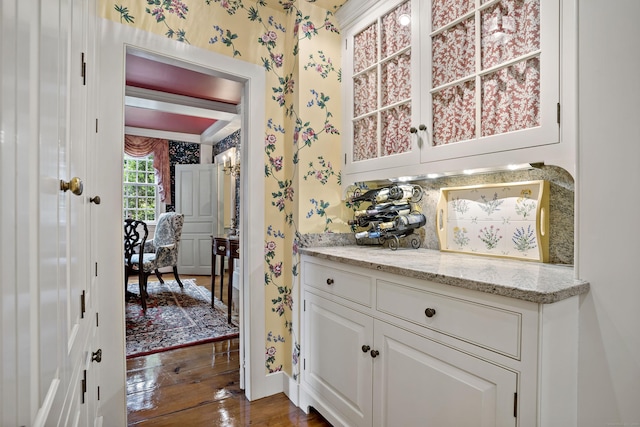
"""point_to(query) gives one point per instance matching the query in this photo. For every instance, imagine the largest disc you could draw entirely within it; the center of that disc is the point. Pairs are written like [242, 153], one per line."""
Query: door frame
[114, 41]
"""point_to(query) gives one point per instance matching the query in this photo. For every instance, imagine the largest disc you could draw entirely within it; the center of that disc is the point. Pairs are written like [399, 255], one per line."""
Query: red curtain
[141, 146]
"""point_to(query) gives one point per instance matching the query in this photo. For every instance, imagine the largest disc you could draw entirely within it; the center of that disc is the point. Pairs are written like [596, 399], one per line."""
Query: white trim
[116, 39]
[291, 389]
[178, 104]
[47, 403]
[152, 133]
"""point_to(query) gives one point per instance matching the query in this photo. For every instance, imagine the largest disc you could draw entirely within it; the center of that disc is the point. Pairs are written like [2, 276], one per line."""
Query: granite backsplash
[561, 210]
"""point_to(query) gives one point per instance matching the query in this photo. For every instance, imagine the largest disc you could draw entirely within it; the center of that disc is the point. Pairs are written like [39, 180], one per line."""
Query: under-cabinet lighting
[510, 167]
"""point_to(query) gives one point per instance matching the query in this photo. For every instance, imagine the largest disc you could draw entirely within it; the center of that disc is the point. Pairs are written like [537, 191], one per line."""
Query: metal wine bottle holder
[392, 215]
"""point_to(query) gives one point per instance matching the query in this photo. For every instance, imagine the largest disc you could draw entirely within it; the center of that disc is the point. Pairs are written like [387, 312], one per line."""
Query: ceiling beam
[153, 133]
[179, 104]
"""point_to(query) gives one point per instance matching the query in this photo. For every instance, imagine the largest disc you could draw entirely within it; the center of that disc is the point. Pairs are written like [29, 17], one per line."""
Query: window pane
[139, 191]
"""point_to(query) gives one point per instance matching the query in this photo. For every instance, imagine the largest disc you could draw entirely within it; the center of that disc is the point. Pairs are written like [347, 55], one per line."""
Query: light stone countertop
[529, 281]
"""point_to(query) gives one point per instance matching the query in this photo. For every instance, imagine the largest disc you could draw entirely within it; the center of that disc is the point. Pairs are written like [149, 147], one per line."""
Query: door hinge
[96, 268]
[345, 158]
[346, 44]
[97, 319]
[96, 125]
[82, 304]
[515, 405]
[83, 382]
[304, 364]
[83, 69]
[304, 305]
[98, 392]
[558, 113]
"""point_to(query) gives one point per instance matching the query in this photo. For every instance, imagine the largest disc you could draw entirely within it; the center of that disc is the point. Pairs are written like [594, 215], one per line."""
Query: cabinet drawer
[352, 286]
[484, 325]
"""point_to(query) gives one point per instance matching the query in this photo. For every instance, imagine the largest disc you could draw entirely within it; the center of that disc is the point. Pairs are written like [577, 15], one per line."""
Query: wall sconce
[231, 166]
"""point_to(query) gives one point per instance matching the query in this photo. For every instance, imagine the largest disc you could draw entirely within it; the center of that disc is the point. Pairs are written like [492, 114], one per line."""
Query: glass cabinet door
[494, 76]
[383, 91]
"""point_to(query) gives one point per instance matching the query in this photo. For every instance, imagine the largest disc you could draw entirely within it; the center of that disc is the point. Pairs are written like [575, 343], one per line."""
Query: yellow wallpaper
[299, 47]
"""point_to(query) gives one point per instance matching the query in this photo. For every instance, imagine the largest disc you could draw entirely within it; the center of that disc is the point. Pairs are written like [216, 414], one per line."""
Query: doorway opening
[115, 41]
[166, 98]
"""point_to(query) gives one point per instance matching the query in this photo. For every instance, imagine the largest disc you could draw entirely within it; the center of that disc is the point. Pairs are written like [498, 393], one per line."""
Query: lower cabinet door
[335, 365]
[419, 382]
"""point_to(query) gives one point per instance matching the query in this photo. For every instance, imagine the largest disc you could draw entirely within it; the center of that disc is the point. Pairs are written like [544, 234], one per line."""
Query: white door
[196, 187]
[419, 382]
[62, 311]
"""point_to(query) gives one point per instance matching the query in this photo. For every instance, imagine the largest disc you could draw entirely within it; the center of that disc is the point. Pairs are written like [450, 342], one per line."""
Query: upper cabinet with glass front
[467, 84]
[381, 95]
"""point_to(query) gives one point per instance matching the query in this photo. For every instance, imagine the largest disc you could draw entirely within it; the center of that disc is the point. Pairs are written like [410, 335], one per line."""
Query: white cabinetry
[465, 84]
[385, 350]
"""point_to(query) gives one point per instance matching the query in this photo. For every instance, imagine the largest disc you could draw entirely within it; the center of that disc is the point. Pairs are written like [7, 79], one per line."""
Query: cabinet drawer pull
[329, 281]
[365, 348]
[430, 312]
[374, 353]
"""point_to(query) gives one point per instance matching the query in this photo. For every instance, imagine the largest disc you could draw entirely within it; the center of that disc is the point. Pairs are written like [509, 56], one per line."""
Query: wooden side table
[223, 247]
[219, 247]
[234, 253]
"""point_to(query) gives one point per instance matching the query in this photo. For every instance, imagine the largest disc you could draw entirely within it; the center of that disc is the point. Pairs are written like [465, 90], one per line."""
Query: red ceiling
[149, 74]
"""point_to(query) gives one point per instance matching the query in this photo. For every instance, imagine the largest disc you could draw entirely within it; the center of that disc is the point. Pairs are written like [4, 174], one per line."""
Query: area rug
[175, 318]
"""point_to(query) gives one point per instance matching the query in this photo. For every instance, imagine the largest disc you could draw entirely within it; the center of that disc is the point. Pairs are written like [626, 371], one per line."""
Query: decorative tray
[506, 220]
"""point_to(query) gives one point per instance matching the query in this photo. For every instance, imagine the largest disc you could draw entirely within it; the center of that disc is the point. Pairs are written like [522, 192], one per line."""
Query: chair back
[135, 236]
[168, 232]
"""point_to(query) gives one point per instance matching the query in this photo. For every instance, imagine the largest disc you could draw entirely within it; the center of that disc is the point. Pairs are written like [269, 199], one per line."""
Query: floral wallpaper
[298, 44]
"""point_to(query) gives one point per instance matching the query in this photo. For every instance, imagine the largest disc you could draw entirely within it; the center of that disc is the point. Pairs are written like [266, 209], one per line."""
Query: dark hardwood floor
[200, 386]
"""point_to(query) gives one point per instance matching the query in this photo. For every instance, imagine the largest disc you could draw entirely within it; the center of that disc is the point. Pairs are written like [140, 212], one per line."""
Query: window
[139, 188]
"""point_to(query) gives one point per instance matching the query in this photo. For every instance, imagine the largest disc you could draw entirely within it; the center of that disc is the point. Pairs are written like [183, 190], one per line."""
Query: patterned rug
[175, 318]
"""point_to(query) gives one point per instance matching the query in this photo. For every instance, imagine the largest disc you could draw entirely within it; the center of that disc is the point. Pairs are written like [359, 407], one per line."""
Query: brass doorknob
[75, 185]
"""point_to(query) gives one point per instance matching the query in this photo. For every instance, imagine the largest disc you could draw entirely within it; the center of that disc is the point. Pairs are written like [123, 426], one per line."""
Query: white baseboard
[274, 383]
[292, 390]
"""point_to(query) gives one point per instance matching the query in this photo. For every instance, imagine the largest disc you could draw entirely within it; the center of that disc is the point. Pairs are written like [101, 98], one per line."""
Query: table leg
[221, 275]
[230, 289]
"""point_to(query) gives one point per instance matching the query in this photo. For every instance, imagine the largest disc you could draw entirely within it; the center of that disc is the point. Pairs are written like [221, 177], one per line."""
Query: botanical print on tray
[508, 220]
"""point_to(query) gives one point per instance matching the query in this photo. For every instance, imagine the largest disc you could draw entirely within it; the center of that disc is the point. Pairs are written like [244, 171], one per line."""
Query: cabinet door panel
[335, 365]
[422, 383]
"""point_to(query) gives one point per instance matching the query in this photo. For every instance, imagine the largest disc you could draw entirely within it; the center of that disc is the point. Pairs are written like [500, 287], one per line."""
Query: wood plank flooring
[199, 386]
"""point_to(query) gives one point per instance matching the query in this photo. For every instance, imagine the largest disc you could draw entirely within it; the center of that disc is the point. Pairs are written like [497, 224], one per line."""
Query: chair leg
[175, 274]
[142, 286]
[127, 294]
[159, 276]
